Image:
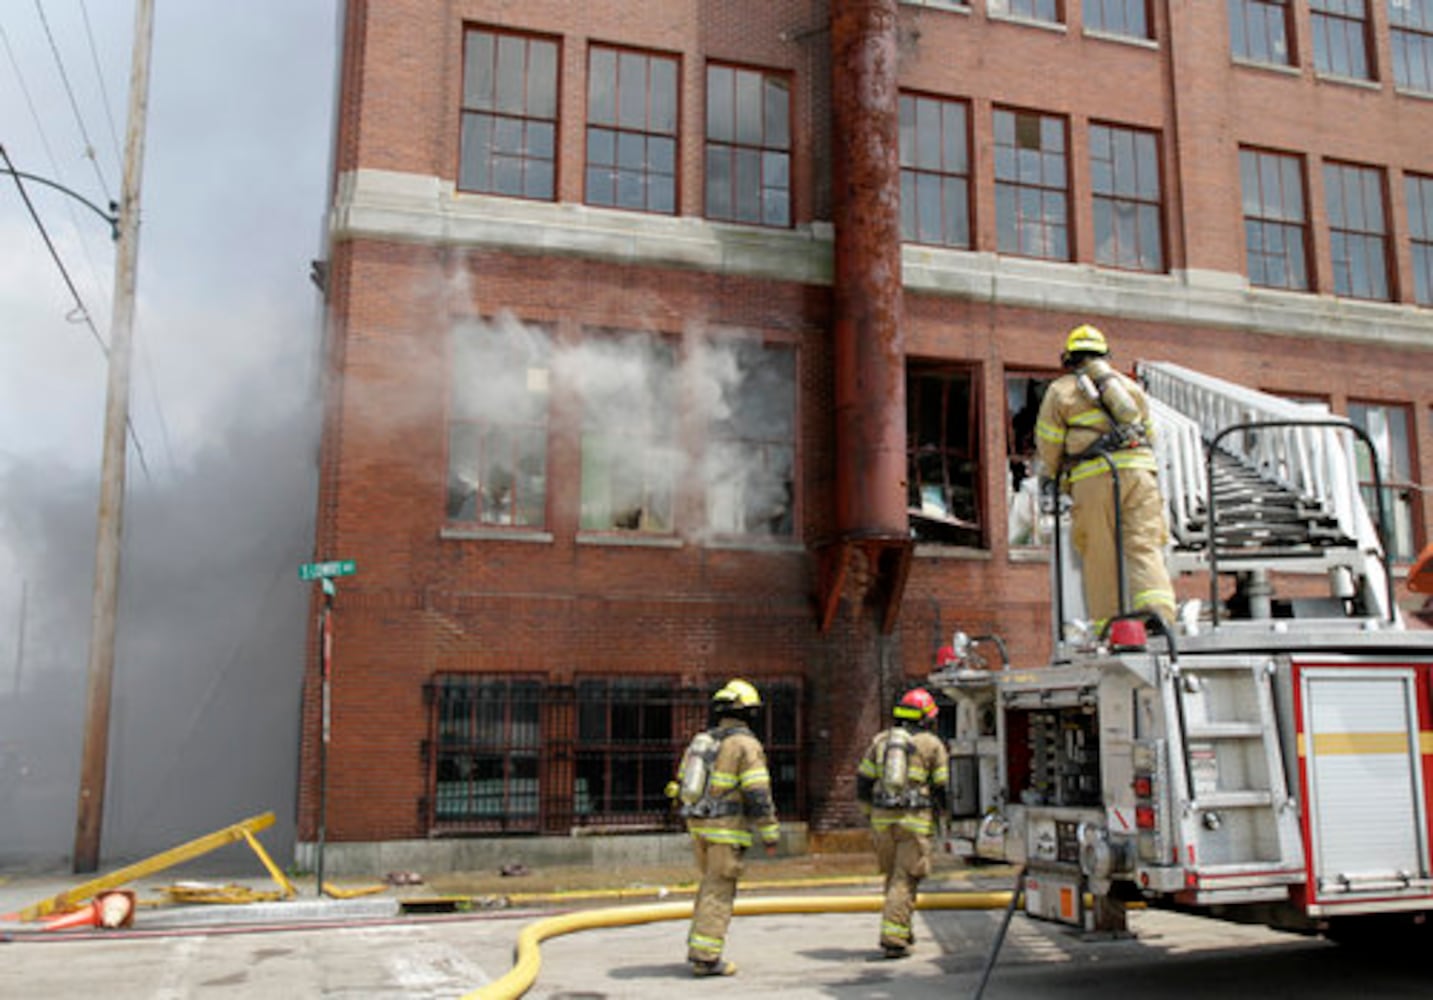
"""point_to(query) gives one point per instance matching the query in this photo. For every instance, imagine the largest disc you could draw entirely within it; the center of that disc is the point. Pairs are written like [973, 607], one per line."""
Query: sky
[221, 464]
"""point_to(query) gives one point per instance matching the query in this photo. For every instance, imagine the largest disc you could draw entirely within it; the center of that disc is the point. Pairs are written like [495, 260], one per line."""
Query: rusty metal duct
[872, 552]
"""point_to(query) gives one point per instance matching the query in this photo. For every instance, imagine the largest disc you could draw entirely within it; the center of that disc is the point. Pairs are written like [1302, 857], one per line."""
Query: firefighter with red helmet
[1093, 418]
[901, 785]
[724, 789]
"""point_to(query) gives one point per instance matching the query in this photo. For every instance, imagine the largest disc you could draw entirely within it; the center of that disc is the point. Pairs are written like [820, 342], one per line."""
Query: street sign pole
[324, 572]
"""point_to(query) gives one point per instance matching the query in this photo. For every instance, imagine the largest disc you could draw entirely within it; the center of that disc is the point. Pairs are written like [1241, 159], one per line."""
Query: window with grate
[1023, 392]
[779, 727]
[1119, 17]
[1128, 205]
[627, 750]
[1032, 212]
[748, 465]
[1276, 232]
[748, 162]
[1358, 230]
[1260, 31]
[1341, 39]
[1410, 40]
[485, 746]
[935, 171]
[497, 424]
[1034, 10]
[1388, 426]
[632, 130]
[943, 454]
[508, 144]
[1419, 193]
[626, 384]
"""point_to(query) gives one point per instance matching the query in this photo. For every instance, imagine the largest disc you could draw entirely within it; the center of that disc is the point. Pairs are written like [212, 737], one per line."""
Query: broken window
[749, 462]
[627, 386]
[1032, 210]
[497, 429]
[1023, 392]
[943, 455]
[486, 738]
[627, 748]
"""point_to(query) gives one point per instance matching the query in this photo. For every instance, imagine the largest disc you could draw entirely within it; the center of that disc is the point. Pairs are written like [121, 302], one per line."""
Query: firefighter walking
[725, 789]
[901, 785]
[1093, 417]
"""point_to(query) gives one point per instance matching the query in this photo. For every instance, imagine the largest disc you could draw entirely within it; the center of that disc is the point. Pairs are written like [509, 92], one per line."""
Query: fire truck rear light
[1144, 817]
[1143, 787]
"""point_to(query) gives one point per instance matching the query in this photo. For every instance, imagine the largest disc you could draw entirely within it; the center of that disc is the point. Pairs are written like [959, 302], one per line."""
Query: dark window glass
[935, 171]
[1275, 219]
[1026, 526]
[508, 144]
[1358, 230]
[1389, 428]
[748, 155]
[632, 130]
[626, 746]
[1118, 17]
[1031, 185]
[1341, 42]
[1410, 39]
[943, 455]
[497, 426]
[1259, 30]
[1419, 193]
[1128, 208]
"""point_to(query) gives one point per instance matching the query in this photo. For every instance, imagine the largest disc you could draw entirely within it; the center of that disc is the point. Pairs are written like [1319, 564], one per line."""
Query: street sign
[324, 570]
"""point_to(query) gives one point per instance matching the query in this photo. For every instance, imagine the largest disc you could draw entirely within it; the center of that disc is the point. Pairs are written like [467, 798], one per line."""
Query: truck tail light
[1144, 817]
[1143, 786]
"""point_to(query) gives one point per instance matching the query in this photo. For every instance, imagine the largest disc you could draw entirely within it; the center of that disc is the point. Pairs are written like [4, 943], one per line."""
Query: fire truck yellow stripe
[1332, 744]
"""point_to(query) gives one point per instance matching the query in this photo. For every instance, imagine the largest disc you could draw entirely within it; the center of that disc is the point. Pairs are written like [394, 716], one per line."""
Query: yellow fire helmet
[1087, 339]
[742, 694]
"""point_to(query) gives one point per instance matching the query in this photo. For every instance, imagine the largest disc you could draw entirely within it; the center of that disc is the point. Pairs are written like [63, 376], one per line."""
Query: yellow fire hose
[529, 960]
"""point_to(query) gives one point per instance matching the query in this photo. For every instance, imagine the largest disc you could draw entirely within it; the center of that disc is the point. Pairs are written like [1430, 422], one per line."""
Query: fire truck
[1267, 758]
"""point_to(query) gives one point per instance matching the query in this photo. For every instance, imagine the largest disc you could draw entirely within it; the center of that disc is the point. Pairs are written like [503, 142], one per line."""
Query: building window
[1340, 30]
[1034, 10]
[1031, 185]
[1388, 426]
[1023, 392]
[509, 115]
[1118, 17]
[485, 745]
[1124, 179]
[1419, 192]
[943, 455]
[1410, 37]
[935, 171]
[748, 167]
[749, 463]
[1358, 230]
[630, 455]
[1259, 30]
[779, 725]
[632, 130]
[497, 425]
[1275, 219]
[627, 749]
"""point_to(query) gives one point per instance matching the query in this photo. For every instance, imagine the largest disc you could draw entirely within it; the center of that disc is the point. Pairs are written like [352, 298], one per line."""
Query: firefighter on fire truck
[1094, 424]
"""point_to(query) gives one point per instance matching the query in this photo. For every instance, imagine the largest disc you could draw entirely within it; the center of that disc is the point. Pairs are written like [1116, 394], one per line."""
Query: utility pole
[95, 760]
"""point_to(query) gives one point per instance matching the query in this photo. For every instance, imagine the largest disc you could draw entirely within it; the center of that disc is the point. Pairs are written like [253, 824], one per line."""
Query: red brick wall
[422, 604]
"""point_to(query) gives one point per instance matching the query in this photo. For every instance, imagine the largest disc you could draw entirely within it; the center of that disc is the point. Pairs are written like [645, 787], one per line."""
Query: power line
[82, 311]
[74, 105]
[104, 93]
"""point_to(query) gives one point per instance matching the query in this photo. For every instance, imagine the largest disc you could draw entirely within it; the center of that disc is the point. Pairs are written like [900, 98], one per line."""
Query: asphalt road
[796, 956]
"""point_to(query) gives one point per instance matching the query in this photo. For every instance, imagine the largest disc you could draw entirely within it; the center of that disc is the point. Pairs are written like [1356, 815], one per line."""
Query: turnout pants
[904, 859]
[1144, 530]
[720, 866]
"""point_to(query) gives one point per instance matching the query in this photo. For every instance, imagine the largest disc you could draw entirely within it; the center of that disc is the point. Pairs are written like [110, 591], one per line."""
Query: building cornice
[386, 205]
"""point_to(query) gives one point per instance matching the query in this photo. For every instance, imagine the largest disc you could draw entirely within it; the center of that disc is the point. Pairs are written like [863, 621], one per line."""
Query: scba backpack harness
[694, 783]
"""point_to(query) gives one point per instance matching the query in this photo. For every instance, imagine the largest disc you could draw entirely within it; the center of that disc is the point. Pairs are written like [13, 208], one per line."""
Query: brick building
[678, 340]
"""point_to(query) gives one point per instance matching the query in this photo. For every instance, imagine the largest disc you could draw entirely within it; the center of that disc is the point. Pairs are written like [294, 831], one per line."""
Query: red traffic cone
[108, 909]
